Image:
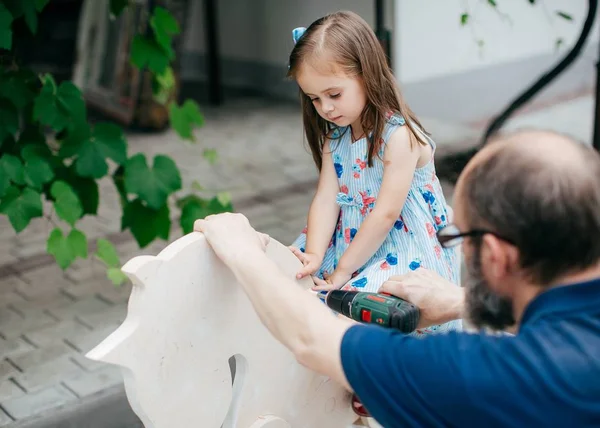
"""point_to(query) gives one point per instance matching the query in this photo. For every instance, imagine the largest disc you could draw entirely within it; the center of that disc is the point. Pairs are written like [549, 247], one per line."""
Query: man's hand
[438, 299]
[231, 236]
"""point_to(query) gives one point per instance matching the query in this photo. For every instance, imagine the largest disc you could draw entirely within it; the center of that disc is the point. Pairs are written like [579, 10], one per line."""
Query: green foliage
[49, 151]
[184, 117]
[466, 17]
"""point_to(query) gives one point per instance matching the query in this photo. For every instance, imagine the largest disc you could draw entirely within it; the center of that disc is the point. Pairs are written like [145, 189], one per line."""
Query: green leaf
[184, 117]
[197, 186]
[118, 6]
[9, 119]
[147, 52]
[145, 223]
[119, 181]
[194, 208]
[492, 3]
[211, 156]
[165, 26]
[66, 203]
[224, 199]
[106, 252]
[40, 4]
[11, 169]
[564, 15]
[107, 141]
[78, 243]
[116, 276]
[34, 137]
[464, 18]
[21, 207]
[154, 185]
[163, 86]
[57, 107]
[88, 193]
[18, 87]
[66, 249]
[58, 246]
[38, 170]
[6, 20]
[30, 14]
[109, 137]
[73, 138]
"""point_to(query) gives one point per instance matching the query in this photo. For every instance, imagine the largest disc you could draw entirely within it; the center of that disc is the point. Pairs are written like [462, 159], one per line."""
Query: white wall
[429, 41]
[261, 30]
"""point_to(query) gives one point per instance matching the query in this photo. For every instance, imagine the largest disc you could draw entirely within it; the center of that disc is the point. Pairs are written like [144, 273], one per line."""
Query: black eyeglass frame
[445, 238]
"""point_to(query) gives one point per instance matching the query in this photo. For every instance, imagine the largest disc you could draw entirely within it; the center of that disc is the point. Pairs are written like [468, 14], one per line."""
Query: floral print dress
[411, 242]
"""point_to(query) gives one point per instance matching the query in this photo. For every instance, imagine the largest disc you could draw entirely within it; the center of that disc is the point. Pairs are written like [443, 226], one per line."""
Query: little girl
[379, 203]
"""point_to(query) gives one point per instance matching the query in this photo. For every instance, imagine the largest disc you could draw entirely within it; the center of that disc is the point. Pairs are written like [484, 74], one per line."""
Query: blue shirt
[547, 375]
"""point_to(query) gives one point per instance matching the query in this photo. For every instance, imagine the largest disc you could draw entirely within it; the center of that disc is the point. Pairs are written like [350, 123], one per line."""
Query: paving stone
[14, 346]
[9, 389]
[29, 308]
[84, 384]
[102, 288]
[39, 401]
[41, 289]
[114, 315]
[87, 364]
[59, 332]
[34, 358]
[85, 343]
[84, 307]
[15, 325]
[9, 284]
[9, 298]
[7, 370]
[50, 276]
[5, 419]
[85, 270]
[39, 377]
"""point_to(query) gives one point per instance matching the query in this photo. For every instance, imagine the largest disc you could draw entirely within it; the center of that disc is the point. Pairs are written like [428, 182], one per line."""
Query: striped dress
[411, 242]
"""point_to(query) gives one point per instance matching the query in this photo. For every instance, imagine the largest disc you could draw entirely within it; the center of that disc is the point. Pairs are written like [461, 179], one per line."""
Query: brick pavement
[49, 319]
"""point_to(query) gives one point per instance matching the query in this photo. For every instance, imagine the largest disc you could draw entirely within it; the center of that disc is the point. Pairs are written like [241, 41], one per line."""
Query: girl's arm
[322, 216]
[400, 162]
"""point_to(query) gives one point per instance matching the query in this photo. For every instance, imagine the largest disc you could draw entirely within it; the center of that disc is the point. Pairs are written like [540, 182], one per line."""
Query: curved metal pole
[547, 77]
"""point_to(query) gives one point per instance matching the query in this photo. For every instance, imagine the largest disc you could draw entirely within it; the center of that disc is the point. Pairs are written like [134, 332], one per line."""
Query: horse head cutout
[195, 354]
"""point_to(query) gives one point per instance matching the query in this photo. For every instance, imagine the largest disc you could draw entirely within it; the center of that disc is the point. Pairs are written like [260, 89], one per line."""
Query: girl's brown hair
[347, 40]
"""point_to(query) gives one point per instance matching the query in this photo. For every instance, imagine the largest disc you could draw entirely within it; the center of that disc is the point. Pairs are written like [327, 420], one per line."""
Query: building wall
[256, 39]
[445, 74]
[441, 70]
[430, 41]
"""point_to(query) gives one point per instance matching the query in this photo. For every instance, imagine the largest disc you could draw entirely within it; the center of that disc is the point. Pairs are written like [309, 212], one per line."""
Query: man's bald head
[540, 190]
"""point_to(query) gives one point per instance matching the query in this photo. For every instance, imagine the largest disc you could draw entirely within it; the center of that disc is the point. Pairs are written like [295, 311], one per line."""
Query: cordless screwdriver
[373, 308]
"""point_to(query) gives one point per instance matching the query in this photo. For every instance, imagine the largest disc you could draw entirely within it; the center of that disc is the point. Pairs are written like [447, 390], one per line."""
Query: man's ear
[499, 260]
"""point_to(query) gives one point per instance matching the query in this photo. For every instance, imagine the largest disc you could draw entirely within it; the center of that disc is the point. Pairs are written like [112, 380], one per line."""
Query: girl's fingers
[307, 270]
[298, 253]
[321, 285]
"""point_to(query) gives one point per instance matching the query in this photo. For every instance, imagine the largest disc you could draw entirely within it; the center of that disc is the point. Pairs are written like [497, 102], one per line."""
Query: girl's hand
[311, 262]
[334, 282]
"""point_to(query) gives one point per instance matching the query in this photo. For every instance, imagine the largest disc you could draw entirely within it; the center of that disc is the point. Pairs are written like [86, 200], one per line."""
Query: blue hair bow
[297, 33]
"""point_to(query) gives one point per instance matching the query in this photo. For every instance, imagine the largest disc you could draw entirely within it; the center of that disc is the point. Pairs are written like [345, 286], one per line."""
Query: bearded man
[527, 215]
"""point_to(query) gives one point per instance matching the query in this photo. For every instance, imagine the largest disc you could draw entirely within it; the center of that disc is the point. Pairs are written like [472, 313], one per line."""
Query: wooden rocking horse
[195, 354]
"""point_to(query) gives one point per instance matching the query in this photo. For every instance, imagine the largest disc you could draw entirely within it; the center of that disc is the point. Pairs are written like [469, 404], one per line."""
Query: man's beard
[484, 308]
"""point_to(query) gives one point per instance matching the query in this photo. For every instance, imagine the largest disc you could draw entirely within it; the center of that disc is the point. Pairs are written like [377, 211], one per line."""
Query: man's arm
[295, 317]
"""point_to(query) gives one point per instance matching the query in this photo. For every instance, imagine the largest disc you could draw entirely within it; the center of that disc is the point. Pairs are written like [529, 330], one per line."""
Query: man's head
[536, 195]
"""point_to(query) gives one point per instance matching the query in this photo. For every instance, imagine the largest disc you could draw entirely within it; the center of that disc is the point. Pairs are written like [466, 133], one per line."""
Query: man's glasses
[451, 236]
